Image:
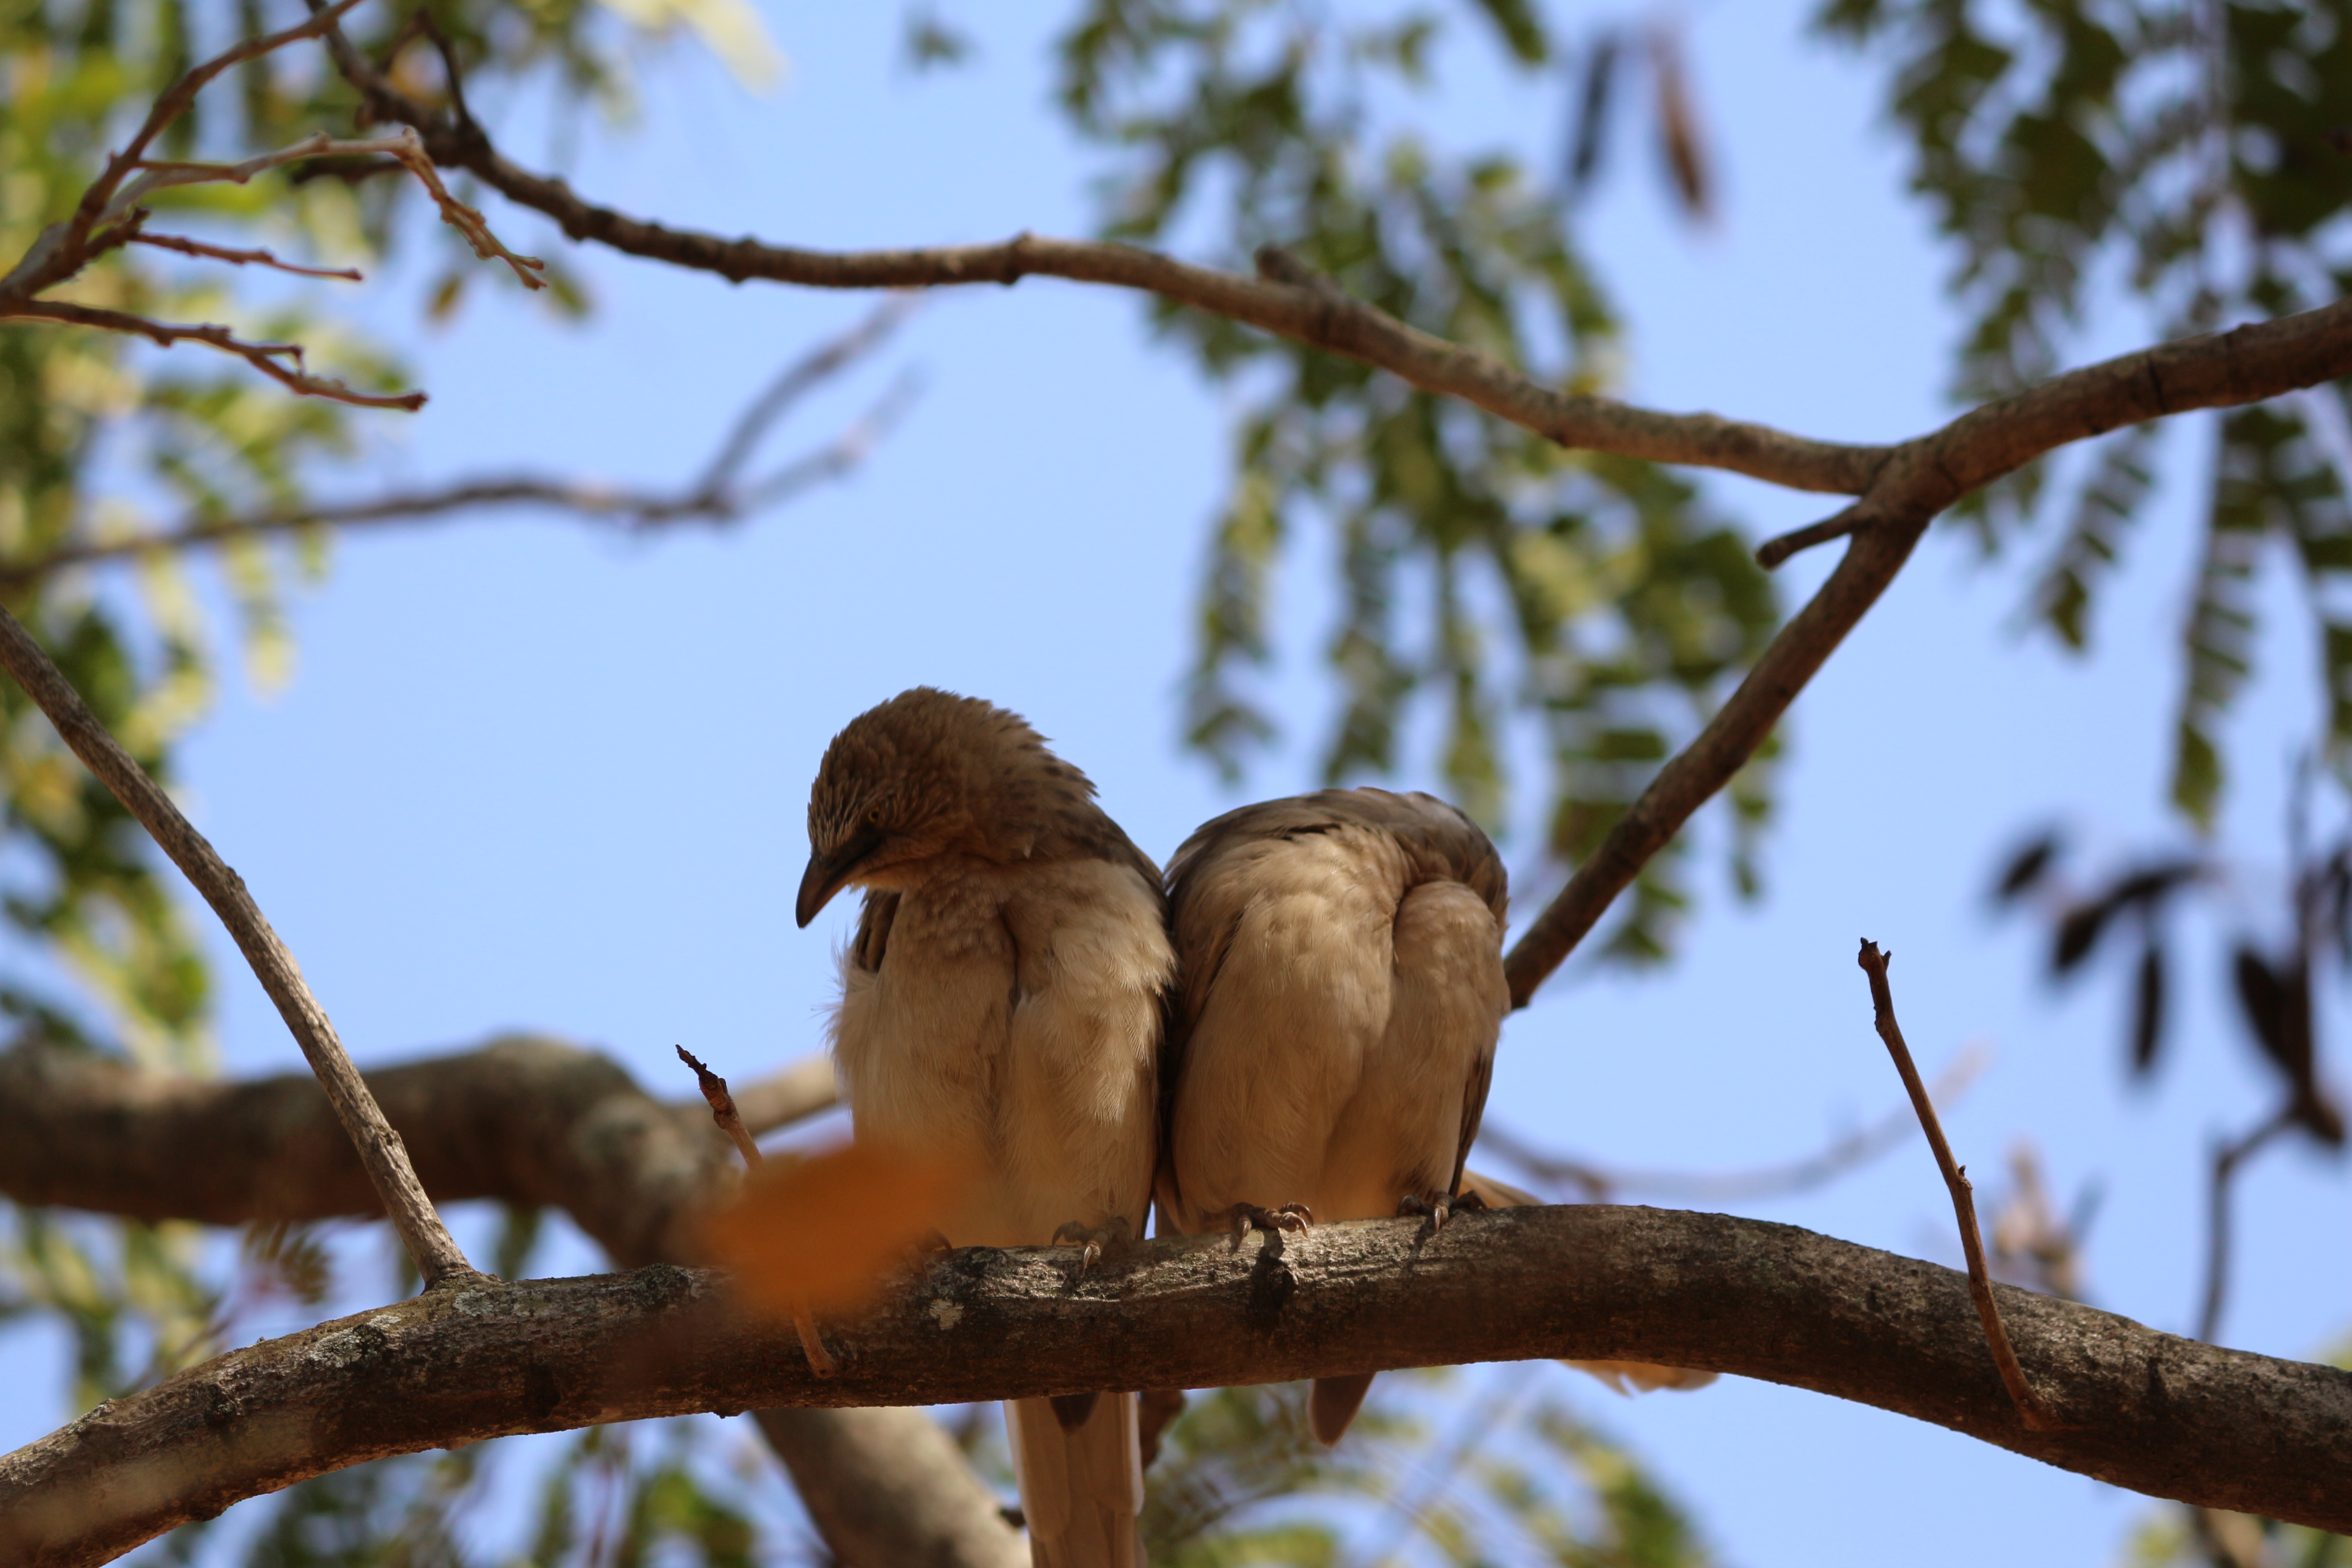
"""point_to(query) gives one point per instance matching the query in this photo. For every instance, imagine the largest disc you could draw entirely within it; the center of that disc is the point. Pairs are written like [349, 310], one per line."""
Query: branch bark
[2157, 1413]
[526, 1120]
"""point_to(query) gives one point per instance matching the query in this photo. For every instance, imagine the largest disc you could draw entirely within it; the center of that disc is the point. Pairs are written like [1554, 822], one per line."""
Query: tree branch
[1295, 310]
[428, 1242]
[2164, 1416]
[722, 495]
[526, 1119]
[266, 358]
[2030, 1407]
[1919, 478]
[1901, 488]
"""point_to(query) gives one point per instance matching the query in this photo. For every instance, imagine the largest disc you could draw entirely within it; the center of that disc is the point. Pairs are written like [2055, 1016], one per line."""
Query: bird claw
[1438, 1208]
[1116, 1233]
[1246, 1217]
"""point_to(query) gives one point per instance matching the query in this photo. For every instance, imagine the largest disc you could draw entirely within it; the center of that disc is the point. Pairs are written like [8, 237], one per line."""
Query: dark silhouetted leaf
[2147, 1009]
[2027, 867]
[1678, 137]
[1592, 134]
[2276, 1003]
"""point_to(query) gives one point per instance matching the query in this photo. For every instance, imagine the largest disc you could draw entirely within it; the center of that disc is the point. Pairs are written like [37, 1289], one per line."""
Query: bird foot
[1116, 1233]
[1246, 1217]
[926, 1249]
[1439, 1207]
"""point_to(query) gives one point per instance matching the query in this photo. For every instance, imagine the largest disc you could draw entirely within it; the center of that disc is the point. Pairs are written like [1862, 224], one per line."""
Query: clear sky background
[531, 775]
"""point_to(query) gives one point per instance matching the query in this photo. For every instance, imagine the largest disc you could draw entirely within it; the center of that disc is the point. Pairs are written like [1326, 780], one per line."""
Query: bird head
[925, 775]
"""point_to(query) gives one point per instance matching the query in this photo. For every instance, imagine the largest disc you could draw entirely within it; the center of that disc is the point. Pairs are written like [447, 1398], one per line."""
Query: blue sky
[531, 775]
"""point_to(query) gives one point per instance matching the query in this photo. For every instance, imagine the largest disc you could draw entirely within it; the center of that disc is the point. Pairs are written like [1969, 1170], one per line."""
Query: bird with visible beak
[1001, 1005]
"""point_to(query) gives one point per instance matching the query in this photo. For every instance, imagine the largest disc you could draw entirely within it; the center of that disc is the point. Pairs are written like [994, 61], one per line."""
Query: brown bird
[1339, 992]
[1001, 1005]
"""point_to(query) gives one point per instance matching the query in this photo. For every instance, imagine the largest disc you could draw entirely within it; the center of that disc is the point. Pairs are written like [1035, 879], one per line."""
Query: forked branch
[110, 216]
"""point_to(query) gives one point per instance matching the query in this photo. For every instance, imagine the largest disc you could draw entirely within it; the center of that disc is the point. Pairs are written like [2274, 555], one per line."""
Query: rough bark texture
[2160, 1414]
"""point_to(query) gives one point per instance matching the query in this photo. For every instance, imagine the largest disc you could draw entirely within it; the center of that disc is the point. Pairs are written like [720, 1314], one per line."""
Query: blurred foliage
[2191, 157]
[1596, 598]
[1509, 1475]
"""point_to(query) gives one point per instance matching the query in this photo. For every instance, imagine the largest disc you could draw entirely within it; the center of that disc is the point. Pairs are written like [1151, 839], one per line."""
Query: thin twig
[428, 1242]
[2226, 1159]
[264, 357]
[1779, 548]
[2030, 1408]
[722, 1108]
[187, 247]
[640, 510]
[1602, 1184]
[731, 1121]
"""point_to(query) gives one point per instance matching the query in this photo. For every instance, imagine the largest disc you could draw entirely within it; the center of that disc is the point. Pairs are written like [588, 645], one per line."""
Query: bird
[1340, 993]
[1001, 1005]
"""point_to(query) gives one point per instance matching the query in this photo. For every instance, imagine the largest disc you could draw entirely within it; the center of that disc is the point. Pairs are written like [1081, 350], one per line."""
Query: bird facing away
[1339, 992]
[1001, 1005]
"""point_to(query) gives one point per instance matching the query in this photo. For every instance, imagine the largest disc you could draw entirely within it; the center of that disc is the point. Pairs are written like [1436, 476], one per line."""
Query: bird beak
[826, 874]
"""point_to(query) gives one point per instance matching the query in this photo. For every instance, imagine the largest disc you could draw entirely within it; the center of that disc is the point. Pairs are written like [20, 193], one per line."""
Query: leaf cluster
[2192, 155]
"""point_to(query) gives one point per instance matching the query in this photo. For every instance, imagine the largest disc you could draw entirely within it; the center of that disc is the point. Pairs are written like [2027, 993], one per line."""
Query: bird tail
[1081, 1470]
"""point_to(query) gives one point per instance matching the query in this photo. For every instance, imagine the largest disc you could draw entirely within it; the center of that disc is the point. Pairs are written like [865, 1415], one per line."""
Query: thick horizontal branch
[2156, 1414]
[1319, 317]
[525, 1120]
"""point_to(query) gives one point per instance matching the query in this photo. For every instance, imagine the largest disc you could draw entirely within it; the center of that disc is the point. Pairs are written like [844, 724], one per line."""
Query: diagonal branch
[1920, 479]
[236, 257]
[428, 1242]
[270, 359]
[2152, 1412]
[2030, 1406]
[720, 496]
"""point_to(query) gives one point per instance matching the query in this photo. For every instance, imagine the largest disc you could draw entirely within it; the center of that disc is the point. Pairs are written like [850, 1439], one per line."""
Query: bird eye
[874, 815]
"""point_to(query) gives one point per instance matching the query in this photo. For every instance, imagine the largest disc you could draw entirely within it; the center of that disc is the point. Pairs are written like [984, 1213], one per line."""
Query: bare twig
[2226, 1159]
[230, 254]
[266, 358]
[428, 1242]
[728, 501]
[2030, 1408]
[723, 1112]
[1603, 1184]
[110, 216]
[722, 1108]
[1779, 548]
